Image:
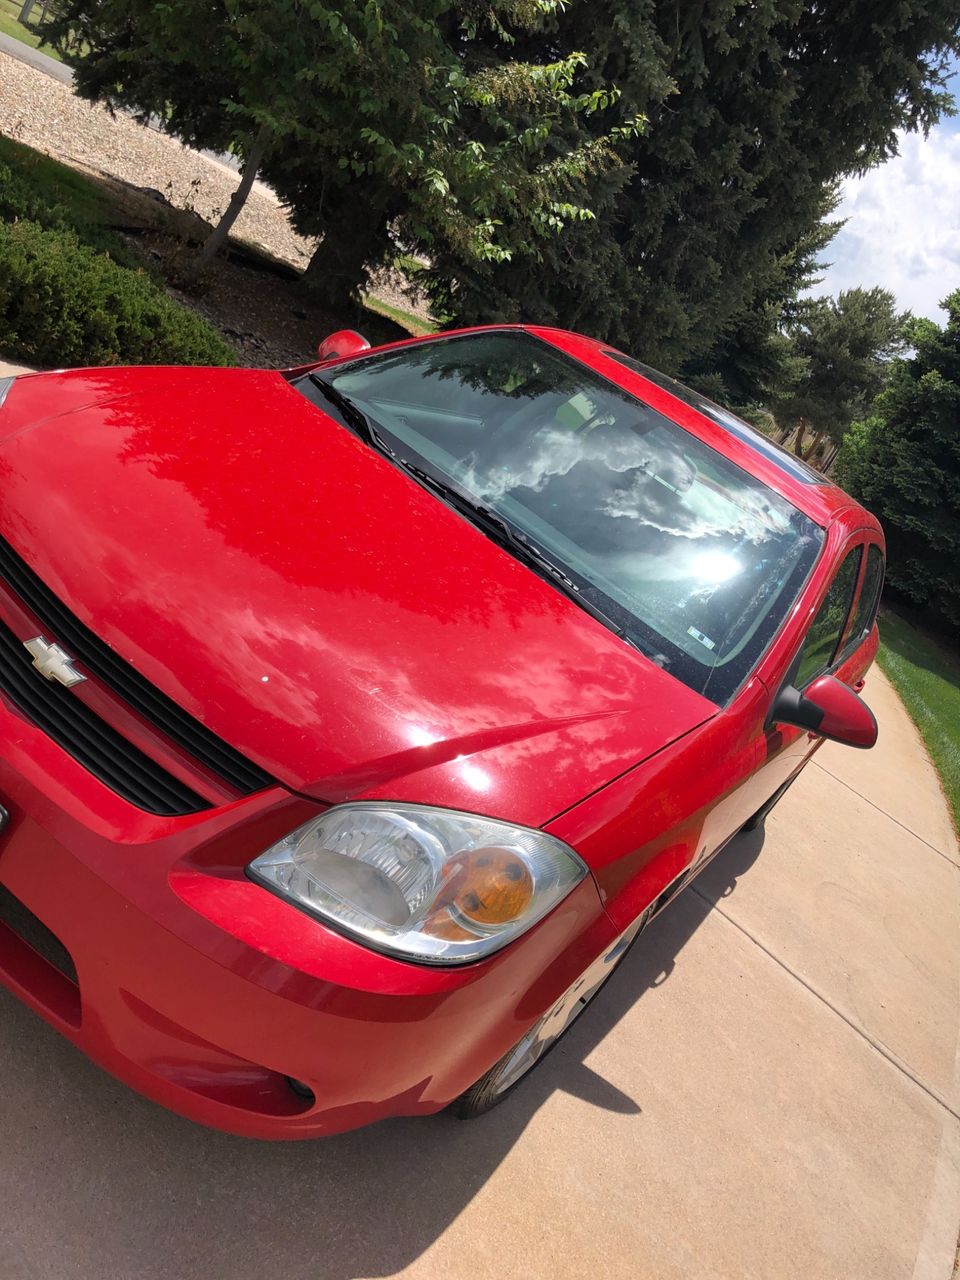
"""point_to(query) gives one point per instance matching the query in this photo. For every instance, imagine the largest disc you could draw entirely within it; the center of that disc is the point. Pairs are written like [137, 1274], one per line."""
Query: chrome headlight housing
[420, 883]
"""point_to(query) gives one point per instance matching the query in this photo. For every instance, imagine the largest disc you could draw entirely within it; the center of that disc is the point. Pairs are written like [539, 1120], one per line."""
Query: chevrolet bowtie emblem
[51, 661]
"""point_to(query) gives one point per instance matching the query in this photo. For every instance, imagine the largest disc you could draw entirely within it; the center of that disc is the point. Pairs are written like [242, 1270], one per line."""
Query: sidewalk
[766, 1090]
[792, 1058]
[35, 58]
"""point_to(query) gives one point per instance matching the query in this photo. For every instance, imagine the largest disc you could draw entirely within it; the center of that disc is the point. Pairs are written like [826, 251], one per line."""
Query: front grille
[81, 732]
[104, 751]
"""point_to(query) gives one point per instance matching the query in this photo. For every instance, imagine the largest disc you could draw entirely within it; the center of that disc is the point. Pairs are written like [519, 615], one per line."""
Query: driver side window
[827, 627]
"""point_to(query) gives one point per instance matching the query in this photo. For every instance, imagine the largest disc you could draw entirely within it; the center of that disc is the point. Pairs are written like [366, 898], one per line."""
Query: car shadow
[97, 1182]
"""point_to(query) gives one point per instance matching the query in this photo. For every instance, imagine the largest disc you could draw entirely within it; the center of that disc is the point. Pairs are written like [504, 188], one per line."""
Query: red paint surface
[845, 718]
[215, 529]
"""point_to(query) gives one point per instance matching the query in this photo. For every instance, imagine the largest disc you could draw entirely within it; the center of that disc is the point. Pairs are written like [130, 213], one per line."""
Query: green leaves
[724, 126]
[661, 174]
[903, 461]
[440, 123]
[842, 351]
[62, 301]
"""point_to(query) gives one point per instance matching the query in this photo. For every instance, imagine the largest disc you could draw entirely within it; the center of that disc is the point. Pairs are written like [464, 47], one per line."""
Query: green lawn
[405, 319]
[9, 10]
[58, 182]
[927, 678]
[34, 186]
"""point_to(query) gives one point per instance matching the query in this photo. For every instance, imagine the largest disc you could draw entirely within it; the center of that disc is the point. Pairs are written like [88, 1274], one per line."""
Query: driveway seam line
[878, 1045]
[866, 799]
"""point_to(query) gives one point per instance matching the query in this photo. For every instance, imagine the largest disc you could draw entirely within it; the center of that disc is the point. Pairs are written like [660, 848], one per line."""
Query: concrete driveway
[767, 1088]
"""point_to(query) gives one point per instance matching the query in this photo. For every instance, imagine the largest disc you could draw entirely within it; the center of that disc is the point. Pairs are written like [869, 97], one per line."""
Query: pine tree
[372, 118]
[842, 351]
[754, 110]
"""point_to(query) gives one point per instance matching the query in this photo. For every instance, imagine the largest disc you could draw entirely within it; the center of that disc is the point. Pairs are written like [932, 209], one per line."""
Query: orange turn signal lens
[494, 887]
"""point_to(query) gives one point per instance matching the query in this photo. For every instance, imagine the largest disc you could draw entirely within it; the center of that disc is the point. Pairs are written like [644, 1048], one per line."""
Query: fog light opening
[300, 1089]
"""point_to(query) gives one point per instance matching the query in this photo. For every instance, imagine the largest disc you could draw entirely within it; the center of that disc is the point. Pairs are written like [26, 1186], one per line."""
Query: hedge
[64, 303]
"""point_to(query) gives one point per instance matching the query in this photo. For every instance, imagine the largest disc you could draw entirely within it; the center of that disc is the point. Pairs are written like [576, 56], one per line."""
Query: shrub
[63, 303]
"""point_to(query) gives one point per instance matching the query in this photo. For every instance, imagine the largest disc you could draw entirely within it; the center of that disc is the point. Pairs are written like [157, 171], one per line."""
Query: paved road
[35, 58]
[766, 1090]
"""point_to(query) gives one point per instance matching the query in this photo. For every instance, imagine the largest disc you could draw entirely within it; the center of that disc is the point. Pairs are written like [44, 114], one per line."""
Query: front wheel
[530, 1050]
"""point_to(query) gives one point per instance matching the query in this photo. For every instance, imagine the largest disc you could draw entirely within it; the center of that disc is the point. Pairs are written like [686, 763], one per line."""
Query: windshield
[692, 559]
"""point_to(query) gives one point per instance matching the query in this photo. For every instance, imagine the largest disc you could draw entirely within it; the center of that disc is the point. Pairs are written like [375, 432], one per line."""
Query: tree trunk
[218, 236]
[335, 273]
[801, 432]
[817, 442]
[829, 461]
[25, 11]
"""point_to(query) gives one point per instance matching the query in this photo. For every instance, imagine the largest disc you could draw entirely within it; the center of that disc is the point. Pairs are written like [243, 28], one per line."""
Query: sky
[903, 223]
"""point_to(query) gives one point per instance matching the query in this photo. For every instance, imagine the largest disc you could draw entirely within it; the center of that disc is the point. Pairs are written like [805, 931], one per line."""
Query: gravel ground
[47, 115]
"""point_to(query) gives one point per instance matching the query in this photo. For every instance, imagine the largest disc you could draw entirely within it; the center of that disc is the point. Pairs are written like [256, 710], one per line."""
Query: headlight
[427, 884]
[5, 385]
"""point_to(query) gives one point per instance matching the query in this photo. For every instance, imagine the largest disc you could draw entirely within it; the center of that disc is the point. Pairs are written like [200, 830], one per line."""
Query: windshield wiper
[352, 414]
[502, 532]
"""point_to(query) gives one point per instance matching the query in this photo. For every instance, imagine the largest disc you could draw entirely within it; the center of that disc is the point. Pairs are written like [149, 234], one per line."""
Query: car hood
[312, 604]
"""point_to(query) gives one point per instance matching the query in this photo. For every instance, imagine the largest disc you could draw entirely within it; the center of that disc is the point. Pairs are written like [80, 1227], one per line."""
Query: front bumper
[205, 993]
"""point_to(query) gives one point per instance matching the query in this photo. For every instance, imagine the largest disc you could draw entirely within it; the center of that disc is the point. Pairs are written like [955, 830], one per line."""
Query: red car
[355, 718]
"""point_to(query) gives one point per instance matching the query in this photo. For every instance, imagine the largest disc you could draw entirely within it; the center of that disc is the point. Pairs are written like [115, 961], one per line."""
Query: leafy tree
[841, 352]
[755, 108]
[903, 462]
[367, 115]
[502, 142]
[488, 158]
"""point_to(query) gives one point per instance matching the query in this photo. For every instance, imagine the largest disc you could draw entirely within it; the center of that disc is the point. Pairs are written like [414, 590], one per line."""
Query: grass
[54, 194]
[414, 325]
[62, 184]
[927, 678]
[9, 11]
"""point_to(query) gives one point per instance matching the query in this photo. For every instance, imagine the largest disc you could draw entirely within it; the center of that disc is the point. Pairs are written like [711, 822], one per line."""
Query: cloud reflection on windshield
[625, 475]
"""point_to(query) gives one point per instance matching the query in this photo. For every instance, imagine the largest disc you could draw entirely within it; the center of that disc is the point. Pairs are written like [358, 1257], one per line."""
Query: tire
[530, 1050]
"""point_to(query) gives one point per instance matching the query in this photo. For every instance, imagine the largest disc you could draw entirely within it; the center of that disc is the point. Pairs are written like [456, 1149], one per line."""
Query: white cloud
[903, 226]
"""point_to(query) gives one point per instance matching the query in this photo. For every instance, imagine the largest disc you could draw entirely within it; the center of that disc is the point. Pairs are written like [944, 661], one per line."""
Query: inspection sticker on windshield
[698, 635]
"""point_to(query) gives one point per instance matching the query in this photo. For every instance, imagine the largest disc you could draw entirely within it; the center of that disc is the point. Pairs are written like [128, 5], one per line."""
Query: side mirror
[345, 342]
[828, 708]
